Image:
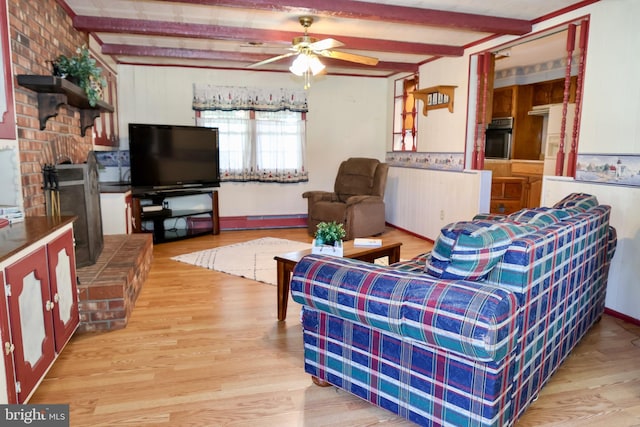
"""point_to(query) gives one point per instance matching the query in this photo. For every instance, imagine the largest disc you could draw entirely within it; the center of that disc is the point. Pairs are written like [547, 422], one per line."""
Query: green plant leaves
[84, 70]
[329, 232]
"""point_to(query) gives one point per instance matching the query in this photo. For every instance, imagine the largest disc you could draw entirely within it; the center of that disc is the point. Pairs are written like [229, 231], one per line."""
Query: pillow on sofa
[470, 249]
[540, 217]
[579, 201]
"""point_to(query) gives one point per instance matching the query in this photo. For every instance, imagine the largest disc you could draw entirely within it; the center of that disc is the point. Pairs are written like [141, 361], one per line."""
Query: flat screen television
[166, 157]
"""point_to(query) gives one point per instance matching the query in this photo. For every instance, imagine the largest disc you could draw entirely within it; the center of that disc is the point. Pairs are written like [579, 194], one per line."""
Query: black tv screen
[173, 157]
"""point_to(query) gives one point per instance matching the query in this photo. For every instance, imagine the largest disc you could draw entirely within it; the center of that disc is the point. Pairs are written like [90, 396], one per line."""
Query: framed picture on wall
[7, 109]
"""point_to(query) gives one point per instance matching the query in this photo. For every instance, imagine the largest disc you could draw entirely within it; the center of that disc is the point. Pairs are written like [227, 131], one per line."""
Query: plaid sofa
[468, 334]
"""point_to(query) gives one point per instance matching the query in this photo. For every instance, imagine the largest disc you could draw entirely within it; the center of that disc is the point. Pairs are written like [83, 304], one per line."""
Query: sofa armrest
[467, 318]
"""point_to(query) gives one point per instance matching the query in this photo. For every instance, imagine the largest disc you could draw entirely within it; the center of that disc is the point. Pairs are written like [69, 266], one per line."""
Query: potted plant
[82, 70]
[328, 239]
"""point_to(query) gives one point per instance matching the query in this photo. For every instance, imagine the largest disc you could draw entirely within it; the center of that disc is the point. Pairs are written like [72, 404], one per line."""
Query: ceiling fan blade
[275, 58]
[325, 44]
[366, 60]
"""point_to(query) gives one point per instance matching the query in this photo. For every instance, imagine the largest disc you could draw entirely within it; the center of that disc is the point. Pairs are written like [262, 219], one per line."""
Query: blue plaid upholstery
[468, 318]
[490, 216]
[580, 201]
[457, 352]
[470, 249]
[538, 216]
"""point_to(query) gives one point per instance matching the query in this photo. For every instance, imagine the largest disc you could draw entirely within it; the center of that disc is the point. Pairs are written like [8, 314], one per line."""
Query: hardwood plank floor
[204, 348]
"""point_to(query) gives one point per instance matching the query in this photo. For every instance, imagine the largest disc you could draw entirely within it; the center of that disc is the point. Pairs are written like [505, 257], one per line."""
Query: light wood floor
[204, 348]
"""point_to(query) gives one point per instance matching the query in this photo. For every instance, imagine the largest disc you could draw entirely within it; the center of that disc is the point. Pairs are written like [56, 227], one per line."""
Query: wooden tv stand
[197, 221]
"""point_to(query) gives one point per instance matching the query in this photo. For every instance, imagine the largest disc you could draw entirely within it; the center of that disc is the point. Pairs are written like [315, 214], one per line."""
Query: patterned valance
[227, 98]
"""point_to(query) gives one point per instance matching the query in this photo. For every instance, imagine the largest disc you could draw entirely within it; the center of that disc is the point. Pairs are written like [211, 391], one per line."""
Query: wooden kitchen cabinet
[552, 92]
[508, 194]
[527, 129]
[40, 303]
[504, 102]
[526, 134]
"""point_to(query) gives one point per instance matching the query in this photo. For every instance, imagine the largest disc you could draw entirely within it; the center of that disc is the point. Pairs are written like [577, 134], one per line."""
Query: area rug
[252, 259]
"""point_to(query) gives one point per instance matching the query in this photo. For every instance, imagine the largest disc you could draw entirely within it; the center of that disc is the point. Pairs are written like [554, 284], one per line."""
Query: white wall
[611, 106]
[623, 292]
[609, 125]
[347, 117]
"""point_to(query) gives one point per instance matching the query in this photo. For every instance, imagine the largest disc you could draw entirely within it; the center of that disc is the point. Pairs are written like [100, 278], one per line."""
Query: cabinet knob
[56, 298]
[49, 305]
[8, 348]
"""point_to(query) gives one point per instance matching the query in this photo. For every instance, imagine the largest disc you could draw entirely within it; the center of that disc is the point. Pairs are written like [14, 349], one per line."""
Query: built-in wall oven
[498, 138]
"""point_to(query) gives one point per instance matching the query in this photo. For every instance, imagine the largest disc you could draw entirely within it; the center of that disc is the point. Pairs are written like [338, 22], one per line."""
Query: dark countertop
[114, 187]
[19, 235]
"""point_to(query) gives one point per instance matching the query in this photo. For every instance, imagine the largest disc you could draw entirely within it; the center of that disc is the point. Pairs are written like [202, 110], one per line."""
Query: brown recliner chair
[357, 200]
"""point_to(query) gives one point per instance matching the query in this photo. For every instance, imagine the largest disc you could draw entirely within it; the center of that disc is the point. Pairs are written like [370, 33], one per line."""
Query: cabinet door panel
[62, 274]
[7, 379]
[503, 102]
[31, 323]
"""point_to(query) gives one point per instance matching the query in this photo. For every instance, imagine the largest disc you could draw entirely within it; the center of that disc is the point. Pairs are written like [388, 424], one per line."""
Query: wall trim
[622, 316]
[426, 160]
[263, 221]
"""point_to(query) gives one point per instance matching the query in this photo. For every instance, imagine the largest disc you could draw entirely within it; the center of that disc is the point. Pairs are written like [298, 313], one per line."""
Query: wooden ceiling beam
[249, 58]
[381, 13]
[94, 24]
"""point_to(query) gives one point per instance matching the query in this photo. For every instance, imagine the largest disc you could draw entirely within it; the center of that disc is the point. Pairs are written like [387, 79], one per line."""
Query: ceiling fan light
[315, 65]
[300, 65]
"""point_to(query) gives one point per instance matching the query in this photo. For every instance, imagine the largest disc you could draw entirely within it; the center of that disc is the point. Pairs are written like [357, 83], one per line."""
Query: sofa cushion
[540, 217]
[470, 249]
[581, 202]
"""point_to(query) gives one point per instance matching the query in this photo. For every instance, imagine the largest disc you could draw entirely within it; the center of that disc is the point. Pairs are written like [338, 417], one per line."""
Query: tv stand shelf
[196, 220]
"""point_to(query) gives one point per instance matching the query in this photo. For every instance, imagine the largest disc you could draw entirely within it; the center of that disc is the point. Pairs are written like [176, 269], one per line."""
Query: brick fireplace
[109, 288]
[113, 272]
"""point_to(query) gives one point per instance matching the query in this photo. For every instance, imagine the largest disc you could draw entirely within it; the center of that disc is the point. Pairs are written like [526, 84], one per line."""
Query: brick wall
[108, 289]
[40, 30]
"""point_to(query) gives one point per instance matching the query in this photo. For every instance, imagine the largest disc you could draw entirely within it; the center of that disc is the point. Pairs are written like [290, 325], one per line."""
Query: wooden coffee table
[286, 263]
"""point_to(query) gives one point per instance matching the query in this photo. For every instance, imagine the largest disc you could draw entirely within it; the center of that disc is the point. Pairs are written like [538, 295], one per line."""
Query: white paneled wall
[422, 201]
[623, 290]
[347, 117]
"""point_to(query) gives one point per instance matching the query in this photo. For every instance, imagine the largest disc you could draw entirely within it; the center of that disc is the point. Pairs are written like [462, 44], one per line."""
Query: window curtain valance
[207, 97]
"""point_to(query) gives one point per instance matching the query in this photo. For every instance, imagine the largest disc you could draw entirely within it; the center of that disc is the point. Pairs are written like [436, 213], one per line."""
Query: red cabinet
[7, 380]
[30, 320]
[64, 292]
[42, 306]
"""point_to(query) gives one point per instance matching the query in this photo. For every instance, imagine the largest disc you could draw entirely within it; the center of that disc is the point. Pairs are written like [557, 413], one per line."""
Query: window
[262, 130]
[404, 115]
[266, 146]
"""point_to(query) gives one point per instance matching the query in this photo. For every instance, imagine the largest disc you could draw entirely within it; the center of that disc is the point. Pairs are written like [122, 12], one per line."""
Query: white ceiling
[233, 34]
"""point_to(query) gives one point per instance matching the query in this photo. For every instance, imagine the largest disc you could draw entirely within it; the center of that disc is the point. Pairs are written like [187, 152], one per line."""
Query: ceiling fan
[308, 48]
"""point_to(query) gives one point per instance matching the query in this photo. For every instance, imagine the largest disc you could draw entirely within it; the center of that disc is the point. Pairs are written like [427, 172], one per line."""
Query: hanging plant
[82, 70]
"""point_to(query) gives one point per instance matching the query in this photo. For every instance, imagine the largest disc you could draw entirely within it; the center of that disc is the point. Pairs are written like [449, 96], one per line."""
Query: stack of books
[11, 213]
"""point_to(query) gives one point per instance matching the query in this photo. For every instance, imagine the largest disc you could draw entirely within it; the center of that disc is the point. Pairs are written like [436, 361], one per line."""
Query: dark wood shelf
[56, 91]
